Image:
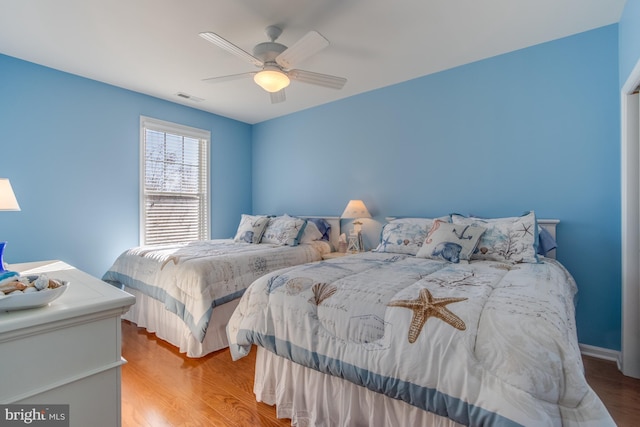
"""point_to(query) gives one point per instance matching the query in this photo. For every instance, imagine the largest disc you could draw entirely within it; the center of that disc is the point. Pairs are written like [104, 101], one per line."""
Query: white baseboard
[600, 353]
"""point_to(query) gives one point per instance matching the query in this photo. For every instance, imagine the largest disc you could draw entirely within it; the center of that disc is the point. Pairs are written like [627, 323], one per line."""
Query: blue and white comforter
[483, 343]
[191, 279]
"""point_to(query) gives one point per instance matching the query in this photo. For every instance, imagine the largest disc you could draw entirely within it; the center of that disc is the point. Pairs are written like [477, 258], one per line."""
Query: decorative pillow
[546, 242]
[513, 239]
[450, 242]
[323, 227]
[404, 235]
[284, 230]
[310, 233]
[251, 228]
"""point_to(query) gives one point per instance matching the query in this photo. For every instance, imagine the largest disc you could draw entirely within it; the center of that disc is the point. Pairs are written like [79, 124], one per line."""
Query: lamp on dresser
[355, 209]
[8, 202]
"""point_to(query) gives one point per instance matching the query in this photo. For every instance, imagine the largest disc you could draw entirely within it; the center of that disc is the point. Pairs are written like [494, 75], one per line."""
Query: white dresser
[68, 352]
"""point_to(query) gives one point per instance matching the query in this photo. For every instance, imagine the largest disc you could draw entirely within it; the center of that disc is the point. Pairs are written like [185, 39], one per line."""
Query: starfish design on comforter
[426, 306]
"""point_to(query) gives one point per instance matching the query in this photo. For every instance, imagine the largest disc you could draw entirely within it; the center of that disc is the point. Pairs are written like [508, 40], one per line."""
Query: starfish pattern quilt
[482, 343]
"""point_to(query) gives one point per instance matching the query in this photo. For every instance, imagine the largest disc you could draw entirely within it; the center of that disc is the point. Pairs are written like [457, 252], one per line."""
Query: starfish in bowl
[426, 306]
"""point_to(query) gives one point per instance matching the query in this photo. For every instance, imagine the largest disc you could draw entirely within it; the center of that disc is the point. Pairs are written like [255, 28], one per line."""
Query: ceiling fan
[275, 61]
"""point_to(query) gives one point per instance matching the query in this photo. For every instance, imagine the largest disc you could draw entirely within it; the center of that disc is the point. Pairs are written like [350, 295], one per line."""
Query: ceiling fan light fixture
[271, 79]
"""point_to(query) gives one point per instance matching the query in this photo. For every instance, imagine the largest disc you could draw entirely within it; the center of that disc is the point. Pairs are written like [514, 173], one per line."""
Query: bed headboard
[334, 234]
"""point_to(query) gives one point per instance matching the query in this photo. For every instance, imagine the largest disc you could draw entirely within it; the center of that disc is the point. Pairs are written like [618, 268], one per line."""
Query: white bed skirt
[311, 398]
[152, 315]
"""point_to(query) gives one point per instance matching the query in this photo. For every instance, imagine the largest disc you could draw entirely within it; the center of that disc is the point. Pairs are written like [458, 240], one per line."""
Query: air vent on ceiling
[189, 97]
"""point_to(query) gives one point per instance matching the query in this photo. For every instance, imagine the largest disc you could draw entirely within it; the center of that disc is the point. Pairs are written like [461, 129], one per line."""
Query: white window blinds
[175, 183]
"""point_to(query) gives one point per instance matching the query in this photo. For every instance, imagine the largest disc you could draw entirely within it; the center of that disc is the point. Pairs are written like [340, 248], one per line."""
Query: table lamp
[8, 202]
[355, 209]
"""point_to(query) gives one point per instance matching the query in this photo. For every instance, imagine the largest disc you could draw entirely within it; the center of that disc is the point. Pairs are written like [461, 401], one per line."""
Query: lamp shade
[271, 79]
[8, 200]
[355, 209]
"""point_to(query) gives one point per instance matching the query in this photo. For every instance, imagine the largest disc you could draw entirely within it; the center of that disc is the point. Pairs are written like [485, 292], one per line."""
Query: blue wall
[70, 147]
[533, 129]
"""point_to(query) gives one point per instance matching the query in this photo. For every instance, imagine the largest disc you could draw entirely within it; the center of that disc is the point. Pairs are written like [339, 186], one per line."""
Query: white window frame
[204, 138]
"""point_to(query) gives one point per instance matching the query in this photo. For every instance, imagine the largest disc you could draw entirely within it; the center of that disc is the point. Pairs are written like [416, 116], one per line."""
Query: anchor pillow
[450, 242]
[510, 240]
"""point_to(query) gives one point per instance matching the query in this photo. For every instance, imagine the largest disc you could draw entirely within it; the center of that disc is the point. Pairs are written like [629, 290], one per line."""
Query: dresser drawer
[43, 360]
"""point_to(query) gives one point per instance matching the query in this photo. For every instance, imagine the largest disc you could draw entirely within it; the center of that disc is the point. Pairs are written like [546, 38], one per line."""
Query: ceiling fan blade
[312, 43]
[278, 96]
[222, 79]
[232, 48]
[318, 79]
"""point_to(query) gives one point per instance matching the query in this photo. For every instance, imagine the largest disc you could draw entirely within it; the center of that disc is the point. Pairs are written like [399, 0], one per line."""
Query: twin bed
[185, 293]
[465, 325]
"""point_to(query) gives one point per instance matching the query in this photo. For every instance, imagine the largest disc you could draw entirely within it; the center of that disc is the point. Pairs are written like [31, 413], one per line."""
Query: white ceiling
[153, 47]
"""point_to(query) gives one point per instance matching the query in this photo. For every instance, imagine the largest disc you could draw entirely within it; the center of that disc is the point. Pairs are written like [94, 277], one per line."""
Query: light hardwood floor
[161, 387]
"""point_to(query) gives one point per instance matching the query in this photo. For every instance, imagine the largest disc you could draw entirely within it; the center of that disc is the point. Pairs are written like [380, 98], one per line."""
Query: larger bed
[185, 293]
[397, 337]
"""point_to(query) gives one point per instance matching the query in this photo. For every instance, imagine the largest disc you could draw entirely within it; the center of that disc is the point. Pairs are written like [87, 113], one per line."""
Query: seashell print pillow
[450, 242]
[512, 239]
[251, 228]
[405, 235]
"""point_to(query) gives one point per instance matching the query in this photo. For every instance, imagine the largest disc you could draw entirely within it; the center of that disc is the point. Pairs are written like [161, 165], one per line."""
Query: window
[174, 183]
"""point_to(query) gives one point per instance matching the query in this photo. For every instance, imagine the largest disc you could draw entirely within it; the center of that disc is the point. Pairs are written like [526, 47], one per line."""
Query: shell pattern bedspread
[482, 343]
[191, 279]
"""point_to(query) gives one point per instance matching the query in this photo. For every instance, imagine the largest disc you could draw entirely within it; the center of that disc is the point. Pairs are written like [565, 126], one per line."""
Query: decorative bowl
[21, 301]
